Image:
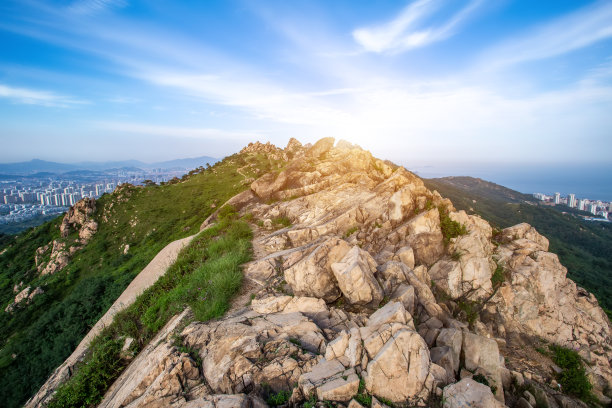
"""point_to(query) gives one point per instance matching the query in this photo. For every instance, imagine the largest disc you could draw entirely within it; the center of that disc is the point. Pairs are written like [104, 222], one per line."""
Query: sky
[442, 83]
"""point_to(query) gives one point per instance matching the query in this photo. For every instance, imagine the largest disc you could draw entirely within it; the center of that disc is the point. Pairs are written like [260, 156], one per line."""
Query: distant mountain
[486, 189]
[42, 166]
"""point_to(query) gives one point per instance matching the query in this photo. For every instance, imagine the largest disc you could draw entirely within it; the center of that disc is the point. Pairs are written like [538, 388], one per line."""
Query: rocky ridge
[379, 287]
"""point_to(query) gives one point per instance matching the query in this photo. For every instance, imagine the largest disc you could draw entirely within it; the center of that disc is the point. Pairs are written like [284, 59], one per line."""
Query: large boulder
[469, 393]
[400, 371]
[481, 353]
[355, 276]
[312, 275]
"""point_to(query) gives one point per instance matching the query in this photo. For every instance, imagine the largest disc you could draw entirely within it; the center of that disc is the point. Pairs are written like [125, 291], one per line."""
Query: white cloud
[568, 33]
[95, 6]
[404, 32]
[176, 131]
[36, 97]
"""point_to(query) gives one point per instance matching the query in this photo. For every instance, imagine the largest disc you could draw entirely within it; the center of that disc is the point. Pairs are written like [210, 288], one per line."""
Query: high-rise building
[610, 207]
[581, 205]
[557, 198]
[593, 209]
[571, 201]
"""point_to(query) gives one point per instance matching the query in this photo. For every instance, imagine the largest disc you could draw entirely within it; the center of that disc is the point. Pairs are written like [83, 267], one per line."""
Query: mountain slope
[363, 284]
[584, 248]
[133, 225]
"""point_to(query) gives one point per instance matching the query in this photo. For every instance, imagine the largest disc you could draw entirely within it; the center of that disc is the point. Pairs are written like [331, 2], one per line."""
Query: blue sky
[418, 82]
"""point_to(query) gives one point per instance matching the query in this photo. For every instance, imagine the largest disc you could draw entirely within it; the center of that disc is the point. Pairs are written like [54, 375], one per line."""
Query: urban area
[23, 198]
[600, 210]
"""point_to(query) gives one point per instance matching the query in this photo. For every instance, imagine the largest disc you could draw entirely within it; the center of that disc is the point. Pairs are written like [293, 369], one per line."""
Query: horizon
[422, 80]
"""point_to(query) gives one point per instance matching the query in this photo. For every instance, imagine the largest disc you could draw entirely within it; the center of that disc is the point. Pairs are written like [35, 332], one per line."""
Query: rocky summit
[368, 289]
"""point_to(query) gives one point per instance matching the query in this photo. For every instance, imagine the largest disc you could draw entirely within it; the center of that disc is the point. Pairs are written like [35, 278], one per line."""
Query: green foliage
[456, 256]
[450, 229]
[469, 308]
[281, 221]
[362, 396]
[351, 231]
[88, 385]
[497, 278]
[311, 402]
[43, 334]
[280, 398]
[573, 378]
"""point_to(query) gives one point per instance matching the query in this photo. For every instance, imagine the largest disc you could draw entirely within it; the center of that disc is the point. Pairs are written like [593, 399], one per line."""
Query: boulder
[481, 353]
[355, 276]
[312, 275]
[469, 393]
[400, 371]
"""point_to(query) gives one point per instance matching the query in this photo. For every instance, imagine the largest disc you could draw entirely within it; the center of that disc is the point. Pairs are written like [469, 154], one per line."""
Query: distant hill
[585, 248]
[41, 166]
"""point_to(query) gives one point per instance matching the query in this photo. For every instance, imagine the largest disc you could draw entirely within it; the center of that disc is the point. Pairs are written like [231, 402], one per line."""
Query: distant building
[571, 201]
[557, 198]
[581, 205]
[593, 209]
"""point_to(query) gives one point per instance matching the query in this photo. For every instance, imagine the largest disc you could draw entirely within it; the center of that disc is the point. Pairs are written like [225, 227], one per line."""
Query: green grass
[44, 334]
[205, 277]
[573, 378]
[279, 398]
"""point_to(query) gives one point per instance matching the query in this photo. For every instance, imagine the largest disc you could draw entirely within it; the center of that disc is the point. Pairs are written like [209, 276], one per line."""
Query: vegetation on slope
[204, 277]
[34, 340]
[585, 248]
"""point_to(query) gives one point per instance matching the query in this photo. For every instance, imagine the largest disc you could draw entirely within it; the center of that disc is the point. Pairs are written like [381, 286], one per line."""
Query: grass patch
[281, 222]
[351, 231]
[204, 277]
[573, 378]
[279, 398]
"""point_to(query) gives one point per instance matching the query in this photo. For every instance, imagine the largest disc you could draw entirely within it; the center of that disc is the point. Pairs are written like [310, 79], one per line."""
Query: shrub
[450, 229]
[279, 398]
[498, 276]
[573, 377]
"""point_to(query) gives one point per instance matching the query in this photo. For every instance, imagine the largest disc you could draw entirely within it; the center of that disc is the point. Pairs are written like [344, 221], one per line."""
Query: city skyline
[427, 81]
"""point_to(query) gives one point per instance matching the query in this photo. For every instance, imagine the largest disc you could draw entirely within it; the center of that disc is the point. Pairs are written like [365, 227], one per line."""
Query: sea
[592, 181]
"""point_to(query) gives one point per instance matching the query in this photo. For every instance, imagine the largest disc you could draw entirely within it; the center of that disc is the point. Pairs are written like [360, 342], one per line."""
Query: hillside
[330, 278]
[584, 248]
[133, 225]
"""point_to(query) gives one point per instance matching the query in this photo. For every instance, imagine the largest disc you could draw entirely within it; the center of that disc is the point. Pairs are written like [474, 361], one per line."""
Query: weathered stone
[469, 393]
[312, 276]
[453, 339]
[405, 294]
[406, 256]
[392, 312]
[355, 277]
[400, 371]
[481, 353]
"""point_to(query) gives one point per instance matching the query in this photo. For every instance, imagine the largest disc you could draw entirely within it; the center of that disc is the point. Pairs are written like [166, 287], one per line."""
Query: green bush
[497, 278]
[450, 229]
[573, 378]
[280, 398]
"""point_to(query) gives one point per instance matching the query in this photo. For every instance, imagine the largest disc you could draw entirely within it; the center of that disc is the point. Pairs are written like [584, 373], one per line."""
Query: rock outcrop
[54, 256]
[364, 293]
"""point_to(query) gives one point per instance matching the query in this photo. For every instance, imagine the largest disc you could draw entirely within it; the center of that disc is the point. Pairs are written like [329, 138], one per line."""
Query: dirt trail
[147, 277]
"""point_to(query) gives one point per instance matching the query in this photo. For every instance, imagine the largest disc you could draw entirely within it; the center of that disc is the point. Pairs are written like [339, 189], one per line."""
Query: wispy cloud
[176, 131]
[95, 6]
[36, 97]
[565, 34]
[407, 31]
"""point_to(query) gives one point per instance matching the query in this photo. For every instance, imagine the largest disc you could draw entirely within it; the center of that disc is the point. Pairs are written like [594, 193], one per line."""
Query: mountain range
[42, 166]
